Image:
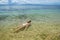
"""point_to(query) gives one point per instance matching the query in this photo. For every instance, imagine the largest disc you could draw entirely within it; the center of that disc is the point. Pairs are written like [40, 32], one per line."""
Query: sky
[31, 1]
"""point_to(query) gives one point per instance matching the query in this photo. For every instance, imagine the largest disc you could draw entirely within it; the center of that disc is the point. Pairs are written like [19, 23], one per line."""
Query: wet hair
[29, 21]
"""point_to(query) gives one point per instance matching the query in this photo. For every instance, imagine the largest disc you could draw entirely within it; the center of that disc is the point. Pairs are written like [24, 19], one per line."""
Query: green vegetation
[44, 27]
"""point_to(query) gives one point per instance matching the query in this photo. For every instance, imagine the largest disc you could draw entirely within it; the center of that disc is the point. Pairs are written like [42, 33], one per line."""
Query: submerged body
[24, 25]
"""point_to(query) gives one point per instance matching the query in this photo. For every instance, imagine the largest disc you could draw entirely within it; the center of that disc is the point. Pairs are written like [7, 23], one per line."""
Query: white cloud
[35, 1]
[30, 1]
[19, 1]
[3, 1]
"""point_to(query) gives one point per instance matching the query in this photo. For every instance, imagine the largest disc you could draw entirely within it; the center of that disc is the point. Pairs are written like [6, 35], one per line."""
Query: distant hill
[14, 4]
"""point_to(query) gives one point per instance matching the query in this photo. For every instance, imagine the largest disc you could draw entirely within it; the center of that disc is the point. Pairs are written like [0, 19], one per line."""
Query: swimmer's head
[29, 21]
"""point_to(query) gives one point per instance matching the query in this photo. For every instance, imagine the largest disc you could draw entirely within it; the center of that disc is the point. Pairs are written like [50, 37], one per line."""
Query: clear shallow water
[45, 22]
[33, 12]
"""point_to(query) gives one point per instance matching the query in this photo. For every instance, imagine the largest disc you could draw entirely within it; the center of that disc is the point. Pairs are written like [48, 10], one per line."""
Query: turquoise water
[47, 16]
[32, 12]
[45, 22]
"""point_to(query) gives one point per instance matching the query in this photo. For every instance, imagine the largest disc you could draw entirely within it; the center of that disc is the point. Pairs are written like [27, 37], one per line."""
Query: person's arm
[27, 26]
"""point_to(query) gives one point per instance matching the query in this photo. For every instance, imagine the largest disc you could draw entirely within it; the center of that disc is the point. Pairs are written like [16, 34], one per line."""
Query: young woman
[24, 25]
